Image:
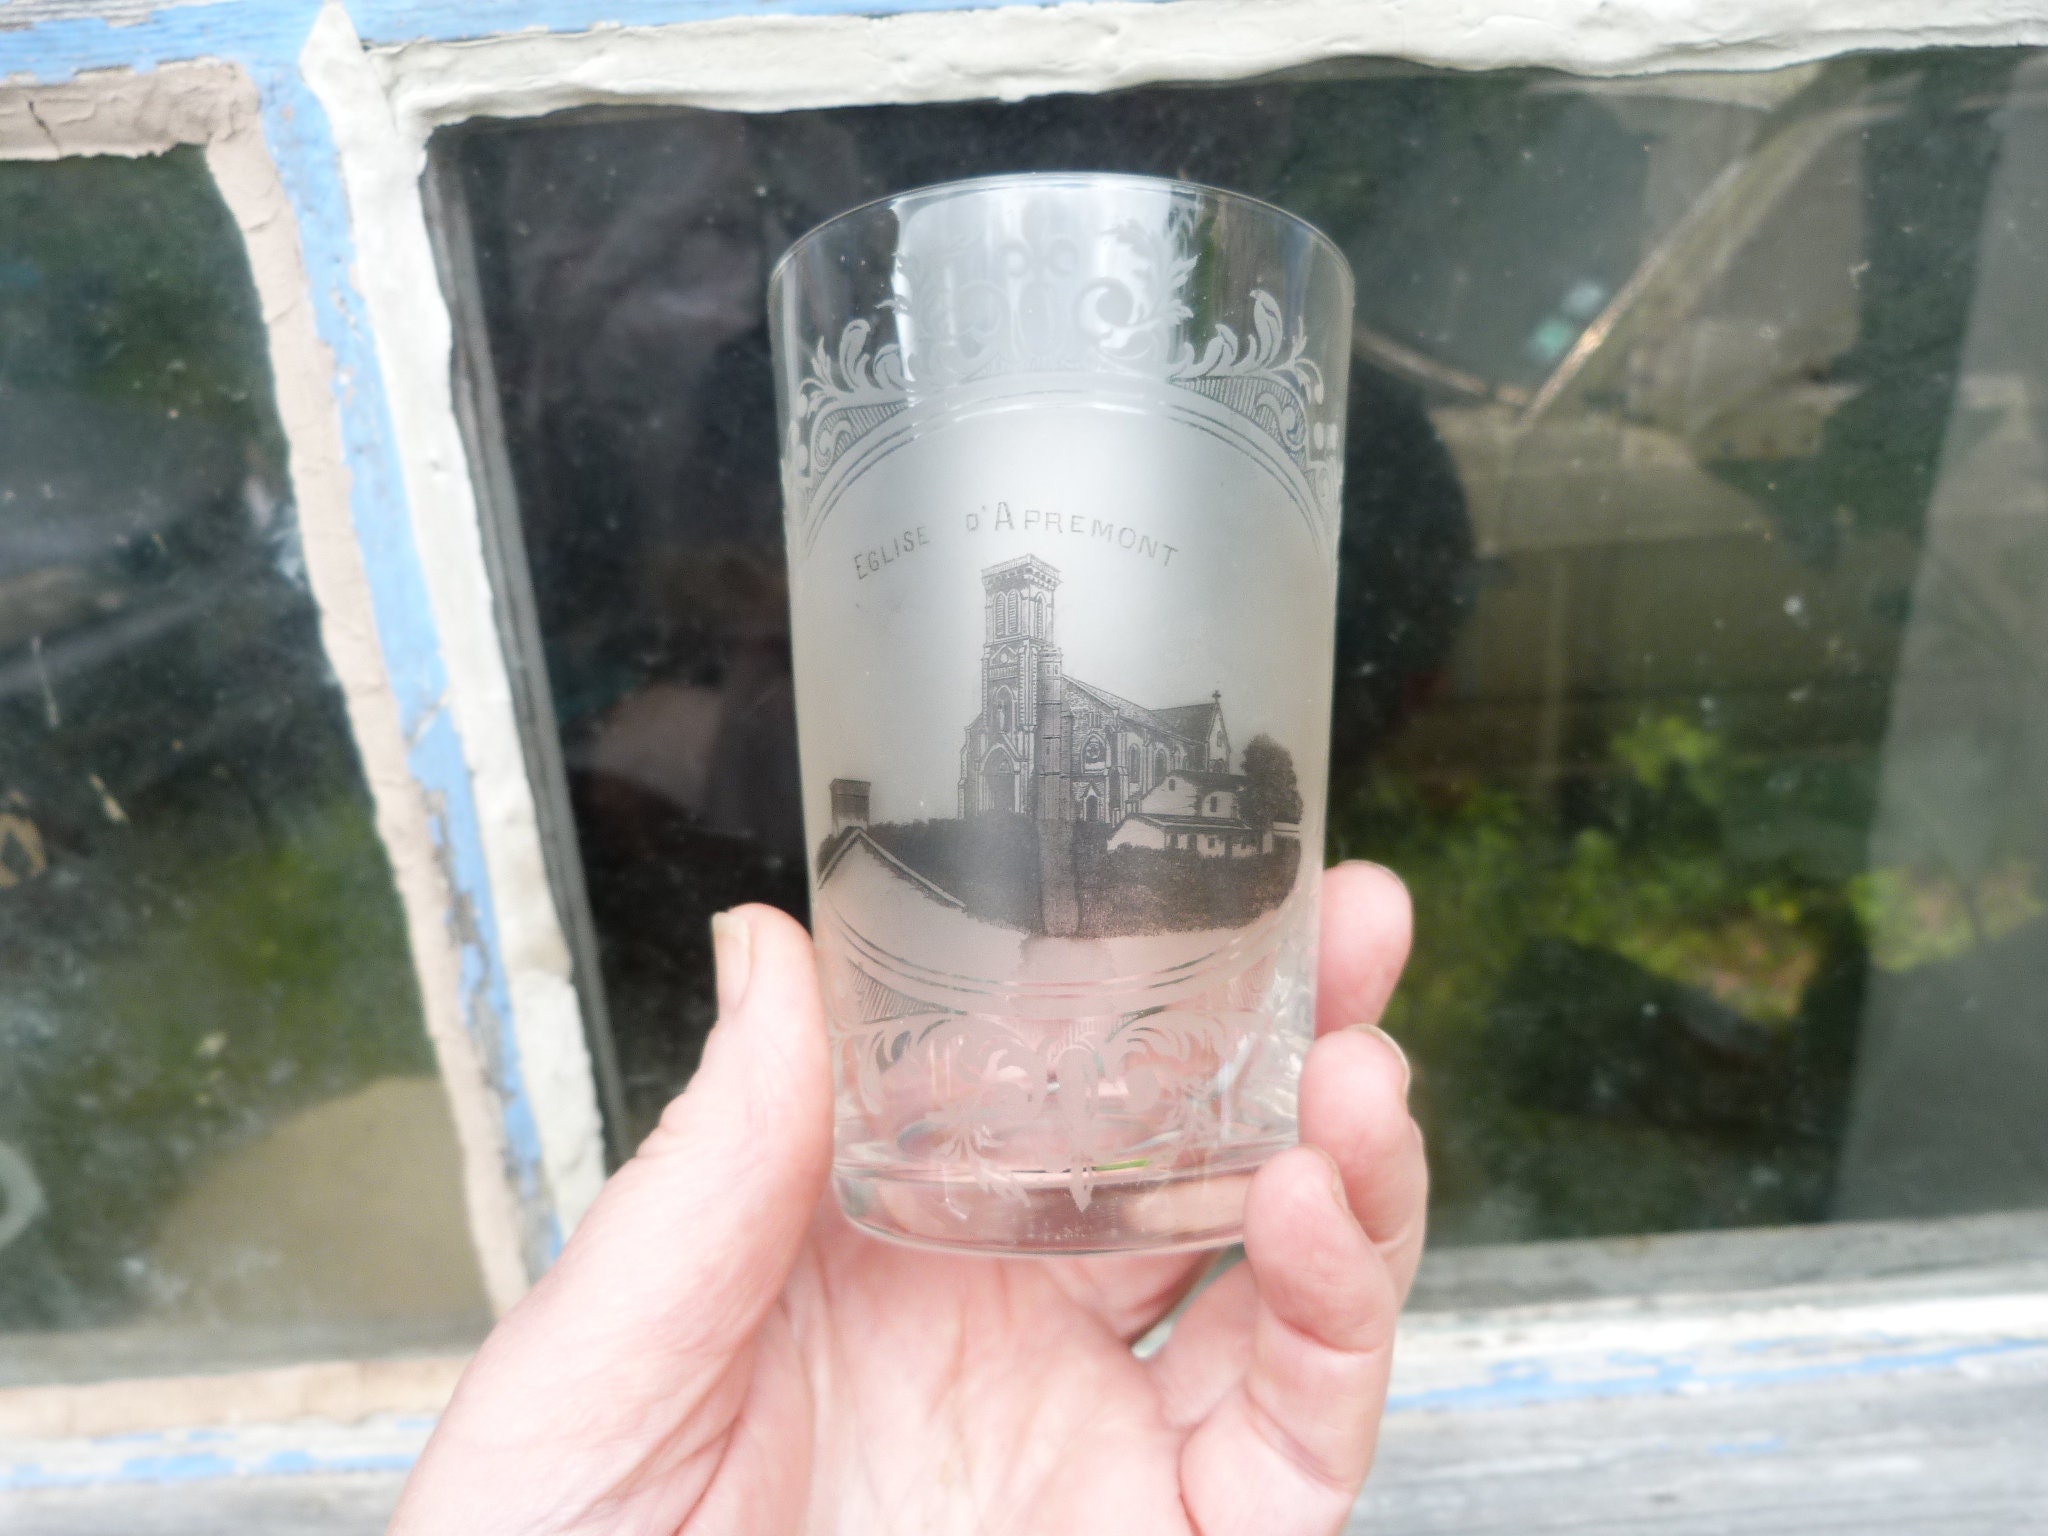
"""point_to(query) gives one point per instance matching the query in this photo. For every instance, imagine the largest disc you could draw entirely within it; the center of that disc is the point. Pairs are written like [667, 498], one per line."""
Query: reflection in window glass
[221, 1136]
[1695, 591]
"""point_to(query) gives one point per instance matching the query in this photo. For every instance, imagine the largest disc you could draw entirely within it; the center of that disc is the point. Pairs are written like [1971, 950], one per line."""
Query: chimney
[849, 803]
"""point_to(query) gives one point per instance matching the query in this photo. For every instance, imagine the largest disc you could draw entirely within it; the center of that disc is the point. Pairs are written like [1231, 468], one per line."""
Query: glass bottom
[1036, 1215]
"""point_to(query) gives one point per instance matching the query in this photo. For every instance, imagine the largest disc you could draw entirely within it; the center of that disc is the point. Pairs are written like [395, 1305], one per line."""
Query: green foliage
[215, 942]
[1634, 1015]
[1663, 747]
[1271, 793]
[125, 280]
[189, 991]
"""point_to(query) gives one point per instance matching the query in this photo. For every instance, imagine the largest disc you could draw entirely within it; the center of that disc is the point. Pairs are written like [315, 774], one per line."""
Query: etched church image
[1049, 746]
[1080, 812]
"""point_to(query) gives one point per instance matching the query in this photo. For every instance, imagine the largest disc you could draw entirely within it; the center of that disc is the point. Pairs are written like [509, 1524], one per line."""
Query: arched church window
[1006, 711]
[999, 782]
[1011, 626]
[1161, 765]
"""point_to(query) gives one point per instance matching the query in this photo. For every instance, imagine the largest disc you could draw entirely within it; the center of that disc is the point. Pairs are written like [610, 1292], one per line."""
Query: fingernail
[1407, 1067]
[1337, 1190]
[732, 950]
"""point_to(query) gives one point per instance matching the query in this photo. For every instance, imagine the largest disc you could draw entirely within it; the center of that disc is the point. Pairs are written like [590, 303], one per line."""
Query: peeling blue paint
[1760, 1445]
[300, 1463]
[1528, 1383]
[186, 1467]
[197, 1467]
[437, 762]
[392, 21]
[390, 1444]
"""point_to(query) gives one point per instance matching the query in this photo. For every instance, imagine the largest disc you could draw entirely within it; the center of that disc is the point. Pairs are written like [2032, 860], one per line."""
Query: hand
[718, 1350]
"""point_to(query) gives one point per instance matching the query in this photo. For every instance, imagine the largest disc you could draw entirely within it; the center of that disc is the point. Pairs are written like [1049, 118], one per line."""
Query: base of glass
[1040, 1215]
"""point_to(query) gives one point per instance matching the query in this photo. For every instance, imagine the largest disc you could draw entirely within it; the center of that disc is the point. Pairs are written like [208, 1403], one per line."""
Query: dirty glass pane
[221, 1136]
[1694, 645]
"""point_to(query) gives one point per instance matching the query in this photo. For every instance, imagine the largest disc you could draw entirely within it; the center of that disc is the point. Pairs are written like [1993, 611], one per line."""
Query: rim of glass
[931, 190]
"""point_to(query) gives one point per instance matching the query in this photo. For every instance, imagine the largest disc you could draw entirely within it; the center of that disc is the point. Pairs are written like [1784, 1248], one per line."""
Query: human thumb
[630, 1337]
[692, 1240]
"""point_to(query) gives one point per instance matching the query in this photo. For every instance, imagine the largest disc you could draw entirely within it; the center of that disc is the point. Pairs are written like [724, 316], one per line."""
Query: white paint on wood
[340, 1392]
[778, 62]
[414, 340]
[1868, 1408]
[1947, 1256]
[1513, 1356]
[1933, 1452]
[329, 1504]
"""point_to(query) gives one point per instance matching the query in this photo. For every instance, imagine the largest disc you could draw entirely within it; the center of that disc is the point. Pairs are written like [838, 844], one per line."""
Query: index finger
[1367, 928]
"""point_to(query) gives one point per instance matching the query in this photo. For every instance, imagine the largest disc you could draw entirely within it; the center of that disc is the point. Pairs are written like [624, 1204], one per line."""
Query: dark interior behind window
[223, 1140]
[1692, 618]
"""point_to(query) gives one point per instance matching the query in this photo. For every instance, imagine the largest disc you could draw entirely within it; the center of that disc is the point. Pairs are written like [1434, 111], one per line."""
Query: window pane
[221, 1135]
[1694, 604]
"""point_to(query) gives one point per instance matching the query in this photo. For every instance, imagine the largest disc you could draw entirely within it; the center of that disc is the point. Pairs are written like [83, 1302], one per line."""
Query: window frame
[315, 121]
[412, 762]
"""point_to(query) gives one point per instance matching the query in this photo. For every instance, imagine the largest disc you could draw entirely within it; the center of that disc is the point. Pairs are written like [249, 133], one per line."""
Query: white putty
[414, 340]
[340, 1391]
[769, 63]
[215, 106]
[302, 369]
[114, 112]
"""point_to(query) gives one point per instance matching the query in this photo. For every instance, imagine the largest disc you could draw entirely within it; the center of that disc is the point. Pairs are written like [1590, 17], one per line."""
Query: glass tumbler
[1061, 460]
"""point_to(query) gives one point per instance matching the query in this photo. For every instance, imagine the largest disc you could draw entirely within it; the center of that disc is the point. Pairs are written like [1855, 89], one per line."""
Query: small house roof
[858, 836]
[1210, 824]
[1207, 779]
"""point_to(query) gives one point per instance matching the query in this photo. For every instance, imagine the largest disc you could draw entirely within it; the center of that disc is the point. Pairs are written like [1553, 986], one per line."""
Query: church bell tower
[1004, 763]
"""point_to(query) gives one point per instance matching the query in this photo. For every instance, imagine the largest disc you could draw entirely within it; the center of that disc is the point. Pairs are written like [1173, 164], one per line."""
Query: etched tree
[1270, 792]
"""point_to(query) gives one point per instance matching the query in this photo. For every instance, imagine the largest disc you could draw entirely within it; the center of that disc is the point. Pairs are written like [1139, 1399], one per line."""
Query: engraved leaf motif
[1267, 323]
[1216, 358]
[853, 342]
[1127, 318]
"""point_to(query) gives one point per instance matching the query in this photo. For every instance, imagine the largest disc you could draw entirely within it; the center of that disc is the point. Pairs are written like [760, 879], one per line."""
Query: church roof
[1154, 719]
[1193, 721]
[1206, 779]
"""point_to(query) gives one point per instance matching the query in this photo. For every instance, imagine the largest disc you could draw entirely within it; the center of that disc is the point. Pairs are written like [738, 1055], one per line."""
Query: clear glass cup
[1061, 463]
